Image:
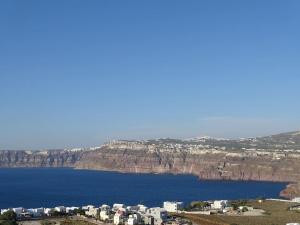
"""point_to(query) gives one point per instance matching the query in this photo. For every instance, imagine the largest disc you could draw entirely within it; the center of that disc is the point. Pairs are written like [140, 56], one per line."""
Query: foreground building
[173, 206]
[159, 215]
[220, 204]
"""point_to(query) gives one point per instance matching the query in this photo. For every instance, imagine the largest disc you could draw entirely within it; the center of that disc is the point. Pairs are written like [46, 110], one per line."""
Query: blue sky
[78, 73]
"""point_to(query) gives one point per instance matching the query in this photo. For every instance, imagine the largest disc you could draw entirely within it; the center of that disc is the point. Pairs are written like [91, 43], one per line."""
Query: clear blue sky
[78, 73]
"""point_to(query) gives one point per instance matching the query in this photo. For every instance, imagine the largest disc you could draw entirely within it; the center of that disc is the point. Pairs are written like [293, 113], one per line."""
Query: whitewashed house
[119, 217]
[104, 212]
[18, 211]
[118, 206]
[131, 220]
[87, 207]
[60, 209]
[93, 212]
[220, 204]
[142, 208]
[48, 211]
[36, 212]
[159, 215]
[70, 210]
[173, 206]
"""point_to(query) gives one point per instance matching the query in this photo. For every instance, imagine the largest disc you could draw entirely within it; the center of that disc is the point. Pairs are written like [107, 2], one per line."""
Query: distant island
[270, 158]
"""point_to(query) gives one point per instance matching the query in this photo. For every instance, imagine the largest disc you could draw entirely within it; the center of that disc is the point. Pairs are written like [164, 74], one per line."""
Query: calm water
[51, 187]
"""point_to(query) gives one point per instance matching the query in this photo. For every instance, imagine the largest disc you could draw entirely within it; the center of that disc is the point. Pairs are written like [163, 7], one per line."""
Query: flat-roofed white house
[173, 206]
[70, 210]
[36, 212]
[159, 215]
[94, 212]
[60, 209]
[219, 204]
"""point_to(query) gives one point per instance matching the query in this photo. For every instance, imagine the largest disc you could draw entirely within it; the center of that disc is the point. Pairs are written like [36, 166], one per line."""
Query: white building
[118, 206]
[159, 215]
[87, 207]
[297, 199]
[119, 217]
[48, 211]
[105, 212]
[70, 210]
[60, 209]
[18, 211]
[142, 208]
[148, 220]
[131, 220]
[36, 212]
[220, 204]
[4, 211]
[132, 208]
[94, 212]
[138, 217]
[173, 206]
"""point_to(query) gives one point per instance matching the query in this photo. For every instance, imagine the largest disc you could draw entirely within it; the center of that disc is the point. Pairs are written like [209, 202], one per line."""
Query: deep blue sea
[52, 187]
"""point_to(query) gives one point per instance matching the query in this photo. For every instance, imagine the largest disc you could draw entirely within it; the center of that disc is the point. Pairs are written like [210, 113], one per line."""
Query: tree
[9, 216]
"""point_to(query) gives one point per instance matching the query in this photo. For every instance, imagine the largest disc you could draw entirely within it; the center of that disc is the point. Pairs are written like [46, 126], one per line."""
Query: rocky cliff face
[50, 158]
[273, 158]
[206, 166]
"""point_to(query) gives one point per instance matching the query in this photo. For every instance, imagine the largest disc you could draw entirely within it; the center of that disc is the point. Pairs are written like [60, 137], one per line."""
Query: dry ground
[277, 213]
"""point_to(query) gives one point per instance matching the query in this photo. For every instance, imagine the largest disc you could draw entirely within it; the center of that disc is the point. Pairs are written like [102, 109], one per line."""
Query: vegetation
[79, 211]
[196, 205]
[8, 218]
[237, 203]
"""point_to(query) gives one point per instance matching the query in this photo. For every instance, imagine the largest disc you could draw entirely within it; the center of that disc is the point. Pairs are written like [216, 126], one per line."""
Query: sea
[49, 187]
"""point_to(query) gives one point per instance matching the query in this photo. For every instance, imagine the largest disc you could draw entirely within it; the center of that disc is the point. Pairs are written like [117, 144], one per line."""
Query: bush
[8, 216]
[8, 222]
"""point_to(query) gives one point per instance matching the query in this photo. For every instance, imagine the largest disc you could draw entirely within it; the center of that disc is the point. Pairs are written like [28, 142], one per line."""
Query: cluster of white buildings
[206, 145]
[118, 214]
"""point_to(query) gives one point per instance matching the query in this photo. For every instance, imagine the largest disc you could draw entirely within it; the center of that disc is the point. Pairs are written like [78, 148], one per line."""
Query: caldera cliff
[272, 158]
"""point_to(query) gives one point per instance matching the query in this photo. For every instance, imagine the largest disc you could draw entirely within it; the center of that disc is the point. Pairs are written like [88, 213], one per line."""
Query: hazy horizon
[77, 74]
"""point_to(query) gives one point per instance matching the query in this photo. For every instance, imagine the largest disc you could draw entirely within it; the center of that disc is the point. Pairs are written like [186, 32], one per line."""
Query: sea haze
[60, 186]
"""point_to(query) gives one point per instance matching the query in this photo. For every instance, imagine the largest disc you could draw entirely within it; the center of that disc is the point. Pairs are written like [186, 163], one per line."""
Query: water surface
[61, 186]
